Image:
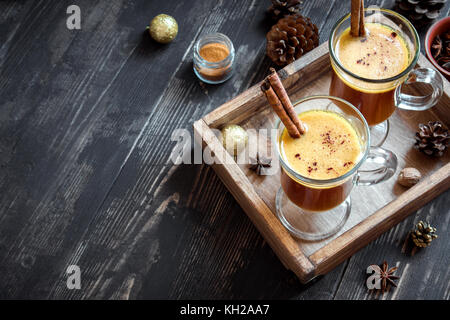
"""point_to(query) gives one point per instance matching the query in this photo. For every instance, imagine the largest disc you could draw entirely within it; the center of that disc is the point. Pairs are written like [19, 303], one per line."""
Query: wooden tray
[375, 209]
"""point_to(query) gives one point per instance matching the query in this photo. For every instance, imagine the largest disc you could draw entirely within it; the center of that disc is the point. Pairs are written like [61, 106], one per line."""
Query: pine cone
[281, 8]
[420, 12]
[423, 234]
[290, 38]
[432, 139]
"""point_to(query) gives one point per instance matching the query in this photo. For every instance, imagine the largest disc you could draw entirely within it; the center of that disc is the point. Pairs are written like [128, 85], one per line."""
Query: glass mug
[378, 98]
[316, 209]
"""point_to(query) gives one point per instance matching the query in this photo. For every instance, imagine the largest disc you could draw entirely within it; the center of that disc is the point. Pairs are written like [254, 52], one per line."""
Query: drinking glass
[378, 98]
[314, 209]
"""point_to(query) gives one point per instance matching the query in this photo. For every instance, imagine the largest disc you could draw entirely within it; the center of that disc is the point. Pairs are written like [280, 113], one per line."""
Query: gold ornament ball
[163, 28]
[234, 138]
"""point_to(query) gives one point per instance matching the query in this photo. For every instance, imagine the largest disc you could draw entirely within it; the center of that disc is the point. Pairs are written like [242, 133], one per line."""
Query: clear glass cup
[378, 98]
[316, 209]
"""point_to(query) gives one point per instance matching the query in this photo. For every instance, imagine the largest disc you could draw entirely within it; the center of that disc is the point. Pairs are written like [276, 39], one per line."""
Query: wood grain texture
[86, 118]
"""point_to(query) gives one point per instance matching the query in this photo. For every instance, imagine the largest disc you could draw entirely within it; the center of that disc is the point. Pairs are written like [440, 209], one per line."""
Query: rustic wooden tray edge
[329, 256]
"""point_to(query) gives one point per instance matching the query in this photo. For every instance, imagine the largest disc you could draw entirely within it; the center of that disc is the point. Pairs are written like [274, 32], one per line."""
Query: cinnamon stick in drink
[357, 18]
[355, 15]
[277, 106]
[362, 30]
[278, 87]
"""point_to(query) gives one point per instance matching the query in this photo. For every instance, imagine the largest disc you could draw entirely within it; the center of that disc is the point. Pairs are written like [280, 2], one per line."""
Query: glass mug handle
[418, 103]
[385, 162]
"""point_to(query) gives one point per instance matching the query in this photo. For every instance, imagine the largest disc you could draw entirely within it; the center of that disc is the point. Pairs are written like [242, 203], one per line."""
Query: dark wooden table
[86, 119]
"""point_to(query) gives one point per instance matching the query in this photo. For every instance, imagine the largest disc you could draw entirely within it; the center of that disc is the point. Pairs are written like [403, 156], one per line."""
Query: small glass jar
[213, 72]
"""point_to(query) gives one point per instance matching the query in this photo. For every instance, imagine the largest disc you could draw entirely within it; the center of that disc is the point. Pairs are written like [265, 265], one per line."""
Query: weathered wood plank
[68, 130]
[138, 188]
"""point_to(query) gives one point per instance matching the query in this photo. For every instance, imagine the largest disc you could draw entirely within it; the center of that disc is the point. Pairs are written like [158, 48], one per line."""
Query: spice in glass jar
[214, 52]
[213, 58]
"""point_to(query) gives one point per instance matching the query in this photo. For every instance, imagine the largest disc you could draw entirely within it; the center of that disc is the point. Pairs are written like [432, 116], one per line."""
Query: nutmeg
[409, 177]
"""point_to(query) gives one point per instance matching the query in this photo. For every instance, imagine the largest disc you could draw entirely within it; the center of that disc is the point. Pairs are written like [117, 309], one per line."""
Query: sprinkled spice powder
[382, 46]
[319, 154]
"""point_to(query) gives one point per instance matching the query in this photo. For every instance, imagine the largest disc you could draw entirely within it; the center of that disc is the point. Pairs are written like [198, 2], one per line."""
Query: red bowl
[436, 29]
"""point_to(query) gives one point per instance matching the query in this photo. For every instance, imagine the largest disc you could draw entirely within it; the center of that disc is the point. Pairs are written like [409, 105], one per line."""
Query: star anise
[437, 47]
[386, 275]
[440, 49]
[259, 164]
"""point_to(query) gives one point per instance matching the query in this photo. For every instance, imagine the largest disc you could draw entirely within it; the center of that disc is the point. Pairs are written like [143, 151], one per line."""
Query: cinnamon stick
[355, 15]
[277, 106]
[357, 18]
[278, 87]
[362, 30]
